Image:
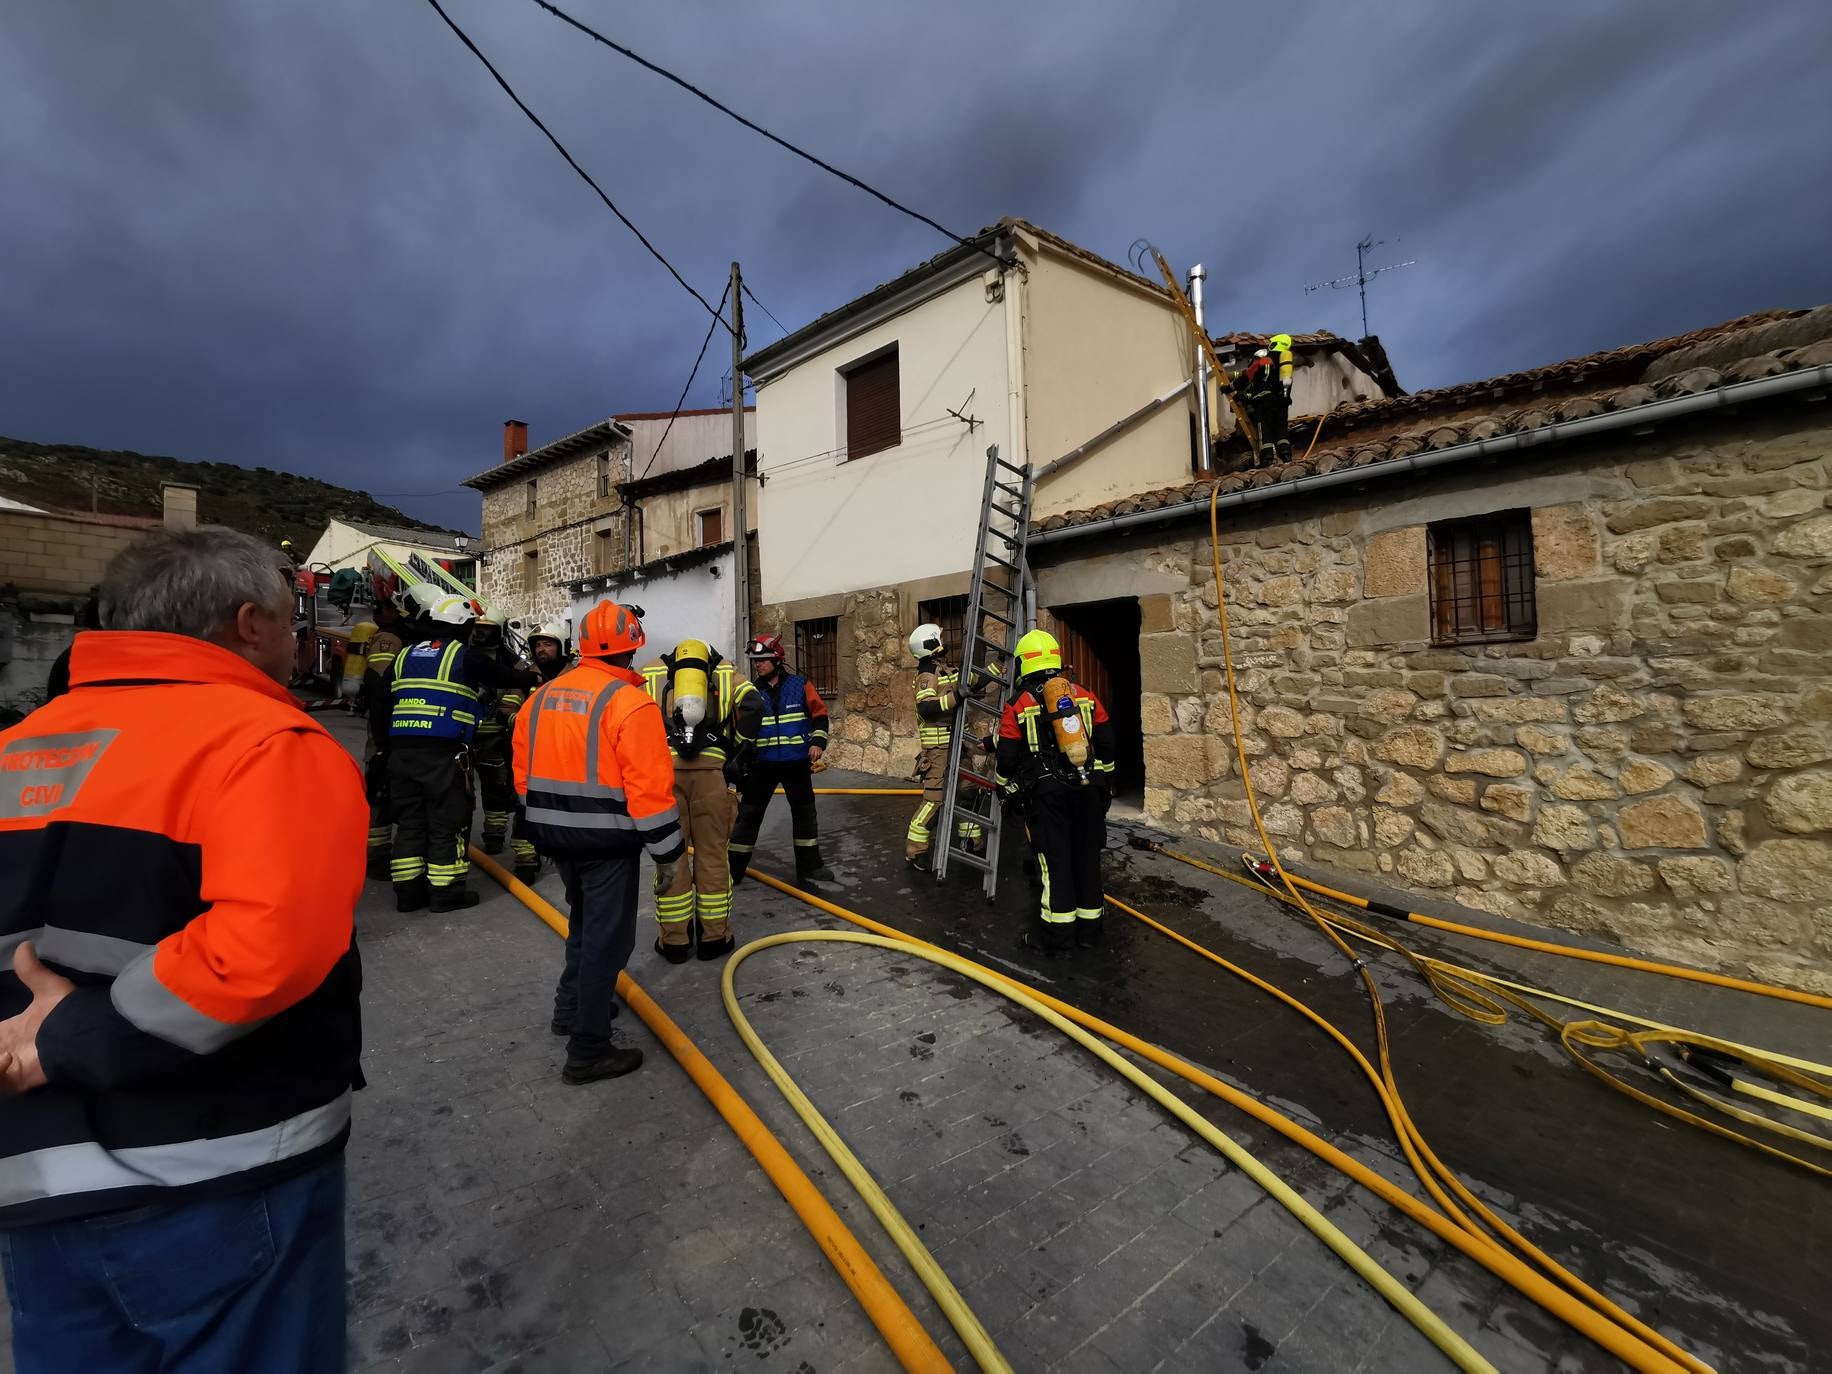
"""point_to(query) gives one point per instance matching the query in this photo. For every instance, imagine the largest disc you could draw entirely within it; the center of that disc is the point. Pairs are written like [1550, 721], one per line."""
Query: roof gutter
[1723, 397]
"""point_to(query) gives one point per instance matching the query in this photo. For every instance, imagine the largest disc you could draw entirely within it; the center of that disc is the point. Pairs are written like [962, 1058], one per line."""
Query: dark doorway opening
[1100, 648]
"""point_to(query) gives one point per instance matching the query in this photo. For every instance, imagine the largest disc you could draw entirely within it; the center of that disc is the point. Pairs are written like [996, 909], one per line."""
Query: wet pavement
[503, 1221]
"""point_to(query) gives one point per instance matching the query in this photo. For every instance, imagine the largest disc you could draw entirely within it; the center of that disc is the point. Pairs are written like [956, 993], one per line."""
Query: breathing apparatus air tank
[1065, 721]
[690, 666]
[356, 660]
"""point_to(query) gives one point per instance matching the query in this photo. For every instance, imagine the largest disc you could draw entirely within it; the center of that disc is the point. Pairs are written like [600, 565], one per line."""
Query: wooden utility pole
[741, 552]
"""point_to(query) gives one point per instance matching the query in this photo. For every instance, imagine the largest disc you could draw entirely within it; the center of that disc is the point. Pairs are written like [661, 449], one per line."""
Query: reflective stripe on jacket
[431, 696]
[1027, 744]
[593, 769]
[151, 839]
[794, 717]
[937, 698]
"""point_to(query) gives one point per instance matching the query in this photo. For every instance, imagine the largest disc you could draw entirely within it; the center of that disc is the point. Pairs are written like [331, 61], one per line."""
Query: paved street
[501, 1220]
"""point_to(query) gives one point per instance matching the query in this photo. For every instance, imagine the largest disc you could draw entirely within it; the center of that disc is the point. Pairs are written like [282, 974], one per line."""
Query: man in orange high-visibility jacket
[179, 1023]
[597, 785]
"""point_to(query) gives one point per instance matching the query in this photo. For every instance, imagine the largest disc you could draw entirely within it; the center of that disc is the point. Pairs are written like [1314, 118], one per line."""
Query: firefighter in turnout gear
[938, 697]
[713, 717]
[547, 647]
[791, 739]
[384, 647]
[597, 787]
[1056, 750]
[490, 754]
[1265, 390]
[432, 719]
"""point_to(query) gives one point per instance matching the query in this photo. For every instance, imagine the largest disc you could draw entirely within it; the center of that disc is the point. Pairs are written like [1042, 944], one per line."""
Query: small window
[711, 526]
[529, 487]
[817, 653]
[531, 571]
[949, 612]
[1482, 579]
[604, 476]
[604, 551]
[874, 407]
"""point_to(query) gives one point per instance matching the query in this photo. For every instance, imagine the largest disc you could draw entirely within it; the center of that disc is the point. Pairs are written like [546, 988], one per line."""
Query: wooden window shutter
[874, 407]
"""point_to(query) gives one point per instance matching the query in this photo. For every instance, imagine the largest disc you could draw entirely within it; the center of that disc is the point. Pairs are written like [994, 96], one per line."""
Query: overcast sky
[313, 234]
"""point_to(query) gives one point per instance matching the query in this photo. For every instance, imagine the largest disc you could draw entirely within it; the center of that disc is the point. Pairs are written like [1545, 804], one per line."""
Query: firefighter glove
[664, 875]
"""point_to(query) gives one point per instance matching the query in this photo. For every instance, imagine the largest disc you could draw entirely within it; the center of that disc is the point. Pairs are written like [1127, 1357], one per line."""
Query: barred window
[1482, 579]
[817, 654]
[949, 612]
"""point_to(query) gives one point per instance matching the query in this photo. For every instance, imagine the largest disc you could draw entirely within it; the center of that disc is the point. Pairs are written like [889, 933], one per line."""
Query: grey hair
[189, 581]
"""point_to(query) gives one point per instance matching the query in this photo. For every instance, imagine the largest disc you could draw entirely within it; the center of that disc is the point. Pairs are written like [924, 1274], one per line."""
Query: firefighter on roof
[713, 717]
[1265, 390]
[938, 697]
[791, 739]
[1055, 763]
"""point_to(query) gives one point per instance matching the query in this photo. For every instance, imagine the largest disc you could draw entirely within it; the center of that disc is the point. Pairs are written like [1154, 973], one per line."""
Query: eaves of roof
[945, 269]
[1762, 377]
[666, 566]
[570, 446]
[708, 473]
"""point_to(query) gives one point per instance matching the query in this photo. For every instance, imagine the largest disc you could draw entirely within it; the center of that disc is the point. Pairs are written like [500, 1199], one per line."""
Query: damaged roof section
[1380, 435]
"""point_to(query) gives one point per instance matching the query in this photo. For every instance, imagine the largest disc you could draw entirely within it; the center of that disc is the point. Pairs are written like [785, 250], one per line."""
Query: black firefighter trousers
[429, 792]
[1068, 831]
[760, 783]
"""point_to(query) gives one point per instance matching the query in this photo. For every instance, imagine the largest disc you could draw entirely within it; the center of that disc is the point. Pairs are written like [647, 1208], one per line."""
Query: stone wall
[874, 716]
[571, 531]
[1653, 766]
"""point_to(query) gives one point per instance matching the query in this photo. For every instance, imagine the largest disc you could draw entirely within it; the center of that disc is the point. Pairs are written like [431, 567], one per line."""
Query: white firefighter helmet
[438, 605]
[553, 630]
[418, 598]
[925, 642]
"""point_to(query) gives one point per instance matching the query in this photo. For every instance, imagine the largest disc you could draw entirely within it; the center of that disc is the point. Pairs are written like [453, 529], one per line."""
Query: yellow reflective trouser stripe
[715, 906]
[672, 910]
[919, 823]
[932, 736]
[406, 870]
[1055, 918]
[807, 844]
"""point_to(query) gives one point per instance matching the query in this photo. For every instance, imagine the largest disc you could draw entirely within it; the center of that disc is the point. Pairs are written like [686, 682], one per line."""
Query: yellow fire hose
[902, 1332]
[972, 1332]
[1626, 1346]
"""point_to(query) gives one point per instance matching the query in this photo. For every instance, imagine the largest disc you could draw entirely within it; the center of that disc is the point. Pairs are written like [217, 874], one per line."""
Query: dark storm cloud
[312, 234]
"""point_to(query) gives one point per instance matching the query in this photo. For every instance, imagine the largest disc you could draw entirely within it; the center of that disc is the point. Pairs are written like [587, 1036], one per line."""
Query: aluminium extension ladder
[1000, 582]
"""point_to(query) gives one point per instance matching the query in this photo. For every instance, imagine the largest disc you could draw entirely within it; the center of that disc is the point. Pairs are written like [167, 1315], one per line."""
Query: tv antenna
[1363, 275]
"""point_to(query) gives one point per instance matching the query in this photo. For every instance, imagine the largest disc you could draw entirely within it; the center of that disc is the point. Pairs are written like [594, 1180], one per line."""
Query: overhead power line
[560, 148]
[746, 286]
[757, 128]
[697, 360]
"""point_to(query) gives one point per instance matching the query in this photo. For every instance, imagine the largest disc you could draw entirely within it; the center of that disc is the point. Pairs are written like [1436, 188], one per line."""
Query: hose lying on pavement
[902, 1332]
[1635, 1351]
[971, 1331]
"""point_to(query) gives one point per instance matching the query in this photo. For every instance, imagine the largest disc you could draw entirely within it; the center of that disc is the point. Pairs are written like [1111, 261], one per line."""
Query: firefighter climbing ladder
[996, 597]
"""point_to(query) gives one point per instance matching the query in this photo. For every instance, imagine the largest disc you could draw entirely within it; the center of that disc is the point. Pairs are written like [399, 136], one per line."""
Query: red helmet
[610, 629]
[764, 646]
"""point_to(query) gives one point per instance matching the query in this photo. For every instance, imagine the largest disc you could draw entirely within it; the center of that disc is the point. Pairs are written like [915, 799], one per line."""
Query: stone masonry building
[1557, 645]
[556, 515]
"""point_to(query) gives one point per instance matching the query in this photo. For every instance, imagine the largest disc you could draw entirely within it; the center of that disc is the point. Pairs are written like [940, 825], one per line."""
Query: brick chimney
[515, 439]
[179, 500]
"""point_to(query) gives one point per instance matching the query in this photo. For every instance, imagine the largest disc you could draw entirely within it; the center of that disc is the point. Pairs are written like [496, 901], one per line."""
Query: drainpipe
[1015, 400]
[1199, 274]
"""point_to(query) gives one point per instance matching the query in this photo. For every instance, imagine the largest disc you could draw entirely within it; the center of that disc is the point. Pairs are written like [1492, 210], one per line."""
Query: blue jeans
[249, 1284]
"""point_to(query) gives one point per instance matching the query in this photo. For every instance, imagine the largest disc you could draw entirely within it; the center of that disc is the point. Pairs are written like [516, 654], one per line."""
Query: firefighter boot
[1087, 928]
[411, 896]
[716, 939]
[378, 865]
[528, 869]
[674, 922]
[454, 897]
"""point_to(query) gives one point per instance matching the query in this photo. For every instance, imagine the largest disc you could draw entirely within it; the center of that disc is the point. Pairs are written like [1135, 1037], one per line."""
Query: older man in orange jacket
[597, 785]
[179, 1026]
